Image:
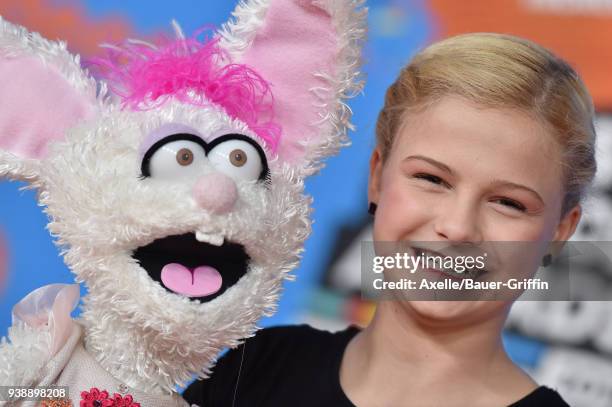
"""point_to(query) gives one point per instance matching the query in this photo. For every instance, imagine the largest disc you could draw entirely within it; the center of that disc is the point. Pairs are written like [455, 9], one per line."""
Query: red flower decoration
[96, 398]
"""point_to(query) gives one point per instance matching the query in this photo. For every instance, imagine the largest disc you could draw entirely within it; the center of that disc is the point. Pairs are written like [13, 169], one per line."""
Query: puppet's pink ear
[43, 92]
[310, 52]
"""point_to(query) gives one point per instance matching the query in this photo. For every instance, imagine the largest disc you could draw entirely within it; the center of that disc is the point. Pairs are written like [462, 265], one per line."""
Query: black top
[296, 366]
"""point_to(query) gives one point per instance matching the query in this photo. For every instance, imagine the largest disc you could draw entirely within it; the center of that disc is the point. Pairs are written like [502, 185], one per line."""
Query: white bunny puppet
[178, 201]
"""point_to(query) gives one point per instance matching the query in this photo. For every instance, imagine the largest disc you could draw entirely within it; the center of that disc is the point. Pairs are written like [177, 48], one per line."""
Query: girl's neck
[402, 353]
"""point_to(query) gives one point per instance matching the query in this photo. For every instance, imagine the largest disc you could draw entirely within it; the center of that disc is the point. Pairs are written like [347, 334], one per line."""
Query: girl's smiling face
[459, 173]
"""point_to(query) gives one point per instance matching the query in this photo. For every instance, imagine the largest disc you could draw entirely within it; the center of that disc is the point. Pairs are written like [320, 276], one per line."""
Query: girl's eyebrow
[513, 185]
[431, 161]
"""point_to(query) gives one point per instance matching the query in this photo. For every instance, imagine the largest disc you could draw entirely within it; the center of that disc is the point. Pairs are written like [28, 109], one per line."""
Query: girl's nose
[458, 222]
[215, 192]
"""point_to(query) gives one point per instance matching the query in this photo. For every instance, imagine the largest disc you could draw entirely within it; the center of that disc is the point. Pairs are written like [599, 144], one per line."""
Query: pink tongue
[199, 282]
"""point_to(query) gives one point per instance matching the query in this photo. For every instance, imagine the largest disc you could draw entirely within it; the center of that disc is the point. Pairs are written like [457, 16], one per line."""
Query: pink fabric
[37, 106]
[77, 369]
[296, 41]
[141, 73]
[50, 306]
[215, 192]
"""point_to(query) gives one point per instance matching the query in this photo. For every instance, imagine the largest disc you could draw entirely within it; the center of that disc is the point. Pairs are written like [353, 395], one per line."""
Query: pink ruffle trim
[50, 306]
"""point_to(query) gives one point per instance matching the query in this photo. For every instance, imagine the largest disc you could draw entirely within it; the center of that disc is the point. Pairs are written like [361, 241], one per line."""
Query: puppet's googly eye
[238, 159]
[181, 158]
[184, 157]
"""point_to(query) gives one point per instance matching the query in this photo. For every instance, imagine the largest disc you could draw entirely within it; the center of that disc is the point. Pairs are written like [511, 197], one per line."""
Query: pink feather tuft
[146, 75]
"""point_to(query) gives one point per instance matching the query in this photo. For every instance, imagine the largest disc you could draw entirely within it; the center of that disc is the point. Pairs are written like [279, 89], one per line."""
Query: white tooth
[215, 240]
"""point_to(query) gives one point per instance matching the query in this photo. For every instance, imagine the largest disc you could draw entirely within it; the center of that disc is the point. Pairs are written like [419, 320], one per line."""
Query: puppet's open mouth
[185, 266]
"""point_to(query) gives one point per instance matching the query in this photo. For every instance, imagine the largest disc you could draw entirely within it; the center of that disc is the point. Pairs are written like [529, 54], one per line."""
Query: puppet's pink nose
[216, 193]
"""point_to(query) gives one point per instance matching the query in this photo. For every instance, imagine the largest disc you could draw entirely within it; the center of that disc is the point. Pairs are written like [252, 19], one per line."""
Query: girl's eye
[511, 203]
[430, 178]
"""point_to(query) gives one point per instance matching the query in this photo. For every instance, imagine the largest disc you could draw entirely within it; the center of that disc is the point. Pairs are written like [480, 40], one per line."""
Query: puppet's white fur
[16, 168]
[23, 359]
[100, 211]
[238, 33]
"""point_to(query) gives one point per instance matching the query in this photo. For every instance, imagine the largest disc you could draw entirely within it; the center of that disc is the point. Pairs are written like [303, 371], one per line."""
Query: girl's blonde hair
[501, 71]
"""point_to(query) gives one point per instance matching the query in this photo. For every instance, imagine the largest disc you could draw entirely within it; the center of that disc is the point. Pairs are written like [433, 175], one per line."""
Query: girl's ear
[375, 179]
[310, 53]
[43, 92]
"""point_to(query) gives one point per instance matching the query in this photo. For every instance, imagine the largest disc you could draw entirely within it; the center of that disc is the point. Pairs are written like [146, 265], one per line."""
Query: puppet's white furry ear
[43, 92]
[310, 52]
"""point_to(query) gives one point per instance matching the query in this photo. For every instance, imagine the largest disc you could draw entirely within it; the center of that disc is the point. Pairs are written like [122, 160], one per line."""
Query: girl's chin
[456, 311]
